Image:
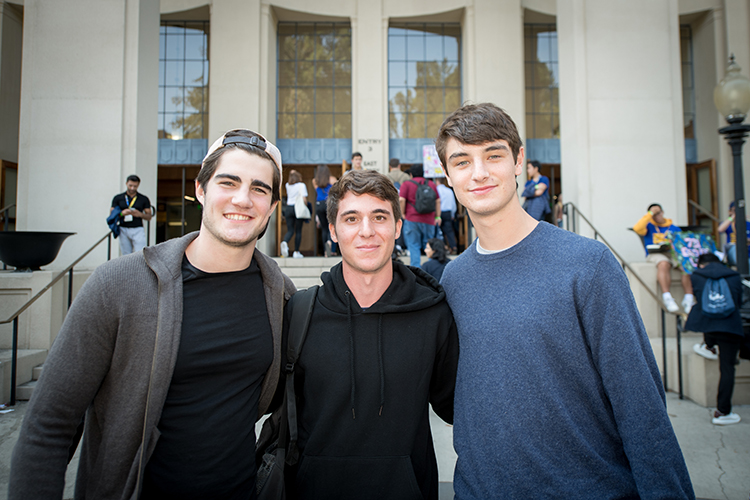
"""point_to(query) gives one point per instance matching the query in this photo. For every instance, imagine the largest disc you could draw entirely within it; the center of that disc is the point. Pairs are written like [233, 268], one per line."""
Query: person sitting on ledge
[653, 227]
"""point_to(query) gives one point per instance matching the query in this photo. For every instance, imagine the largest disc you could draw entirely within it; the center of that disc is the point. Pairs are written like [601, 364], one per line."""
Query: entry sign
[431, 162]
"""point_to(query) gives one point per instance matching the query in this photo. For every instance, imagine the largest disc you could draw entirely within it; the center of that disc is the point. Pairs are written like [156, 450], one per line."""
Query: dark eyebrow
[357, 212]
[491, 147]
[228, 176]
[262, 184]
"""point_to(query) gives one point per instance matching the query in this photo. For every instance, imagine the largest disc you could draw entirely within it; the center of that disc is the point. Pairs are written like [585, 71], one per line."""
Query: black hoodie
[697, 321]
[364, 381]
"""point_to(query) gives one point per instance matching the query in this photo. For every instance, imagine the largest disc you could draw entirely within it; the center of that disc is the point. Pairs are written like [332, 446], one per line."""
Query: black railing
[572, 214]
[14, 317]
[6, 217]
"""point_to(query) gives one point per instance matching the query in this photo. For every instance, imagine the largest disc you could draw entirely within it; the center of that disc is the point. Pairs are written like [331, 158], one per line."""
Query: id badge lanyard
[129, 218]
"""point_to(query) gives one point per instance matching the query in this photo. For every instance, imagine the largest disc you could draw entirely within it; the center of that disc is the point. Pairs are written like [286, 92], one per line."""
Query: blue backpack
[716, 301]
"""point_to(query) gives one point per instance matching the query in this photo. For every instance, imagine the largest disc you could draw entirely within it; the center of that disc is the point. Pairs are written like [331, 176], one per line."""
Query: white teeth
[237, 217]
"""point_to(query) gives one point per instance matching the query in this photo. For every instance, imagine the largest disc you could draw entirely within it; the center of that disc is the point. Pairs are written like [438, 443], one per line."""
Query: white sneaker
[297, 255]
[284, 249]
[704, 351]
[671, 305]
[721, 419]
[688, 302]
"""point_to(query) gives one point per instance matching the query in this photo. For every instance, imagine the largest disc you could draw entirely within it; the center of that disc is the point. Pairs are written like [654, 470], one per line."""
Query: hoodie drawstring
[351, 348]
[381, 366]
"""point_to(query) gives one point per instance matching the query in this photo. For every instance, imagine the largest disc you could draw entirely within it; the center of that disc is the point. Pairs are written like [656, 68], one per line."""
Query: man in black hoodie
[382, 346]
[726, 333]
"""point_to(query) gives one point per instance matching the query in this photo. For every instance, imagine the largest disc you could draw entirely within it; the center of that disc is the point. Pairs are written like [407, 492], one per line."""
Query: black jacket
[697, 321]
[365, 380]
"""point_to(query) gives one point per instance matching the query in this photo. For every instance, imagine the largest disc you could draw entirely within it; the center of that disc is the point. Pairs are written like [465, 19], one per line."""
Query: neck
[212, 256]
[368, 287]
[505, 229]
[537, 176]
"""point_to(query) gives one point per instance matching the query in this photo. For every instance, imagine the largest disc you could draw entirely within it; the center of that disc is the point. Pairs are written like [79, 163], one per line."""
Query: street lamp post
[732, 99]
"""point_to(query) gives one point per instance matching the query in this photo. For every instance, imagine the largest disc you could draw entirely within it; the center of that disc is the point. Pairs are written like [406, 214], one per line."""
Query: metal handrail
[14, 317]
[7, 208]
[706, 212]
[571, 220]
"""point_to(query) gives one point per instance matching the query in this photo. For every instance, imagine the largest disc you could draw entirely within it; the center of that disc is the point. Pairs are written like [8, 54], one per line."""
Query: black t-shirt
[141, 203]
[207, 443]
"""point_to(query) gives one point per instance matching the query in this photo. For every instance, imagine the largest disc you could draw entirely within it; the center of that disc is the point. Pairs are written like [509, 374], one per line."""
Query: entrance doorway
[702, 191]
[177, 210]
[8, 185]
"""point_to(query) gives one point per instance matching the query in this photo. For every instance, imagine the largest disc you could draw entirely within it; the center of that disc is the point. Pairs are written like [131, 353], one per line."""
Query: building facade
[614, 97]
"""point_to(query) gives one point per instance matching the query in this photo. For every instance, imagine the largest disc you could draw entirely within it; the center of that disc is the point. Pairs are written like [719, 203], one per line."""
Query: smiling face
[237, 199]
[366, 231]
[483, 176]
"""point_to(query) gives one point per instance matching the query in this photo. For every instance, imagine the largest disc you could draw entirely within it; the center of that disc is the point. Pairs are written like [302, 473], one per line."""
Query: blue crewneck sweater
[558, 394]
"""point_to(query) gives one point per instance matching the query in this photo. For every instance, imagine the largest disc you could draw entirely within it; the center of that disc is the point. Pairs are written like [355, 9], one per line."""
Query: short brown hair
[294, 177]
[212, 161]
[478, 124]
[362, 182]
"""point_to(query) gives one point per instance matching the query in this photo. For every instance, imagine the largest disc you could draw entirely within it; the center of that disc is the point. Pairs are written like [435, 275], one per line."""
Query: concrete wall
[88, 114]
[621, 113]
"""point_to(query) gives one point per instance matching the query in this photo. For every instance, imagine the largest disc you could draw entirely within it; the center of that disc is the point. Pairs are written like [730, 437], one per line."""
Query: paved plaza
[718, 458]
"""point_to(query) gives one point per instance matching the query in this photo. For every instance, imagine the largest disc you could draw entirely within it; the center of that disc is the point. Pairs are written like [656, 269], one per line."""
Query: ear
[332, 230]
[447, 177]
[519, 161]
[399, 223]
[200, 194]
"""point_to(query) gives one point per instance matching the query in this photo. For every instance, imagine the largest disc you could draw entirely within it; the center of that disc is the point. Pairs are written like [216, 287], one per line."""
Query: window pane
[543, 126]
[194, 73]
[396, 126]
[286, 73]
[323, 126]
[287, 99]
[305, 96]
[434, 100]
[529, 126]
[542, 101]
[162, 72]
[305, 73]
[175, 73]
[396, 48]
[452, 75]
[429, 74]
[173, 125]
[305, 126]
[193, 99]
[195, 47]
[412, 73]
[415, 48]
[323, 100]
[324, 48]
[343, 48]
[434, 48]
[162, 47]
[396, 74]
[451, 48]
[324, 73]
[175, 46]
[306, 48]
[286, 126]
[343, 74]
[452, 100]
[530, 101]
[193, 126]
[342, 125]
[286, 29]
[287, 45]
[173, 99]
[416, 126]
[415, 100]
[343, 100]
[434, 120]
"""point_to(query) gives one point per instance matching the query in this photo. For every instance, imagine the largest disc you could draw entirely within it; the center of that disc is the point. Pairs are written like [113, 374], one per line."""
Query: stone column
[622, 139]
[88, 120]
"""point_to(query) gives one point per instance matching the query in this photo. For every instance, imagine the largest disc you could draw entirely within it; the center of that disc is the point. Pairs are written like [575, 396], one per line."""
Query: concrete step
[24, 391]
[27, 360]
[36, 372]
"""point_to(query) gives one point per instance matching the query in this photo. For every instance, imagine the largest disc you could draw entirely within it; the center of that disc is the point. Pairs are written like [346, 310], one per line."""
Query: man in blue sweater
[558, 394]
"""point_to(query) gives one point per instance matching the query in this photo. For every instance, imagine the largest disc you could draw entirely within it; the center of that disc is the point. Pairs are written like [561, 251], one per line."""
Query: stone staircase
[306, 272]
[28, 369]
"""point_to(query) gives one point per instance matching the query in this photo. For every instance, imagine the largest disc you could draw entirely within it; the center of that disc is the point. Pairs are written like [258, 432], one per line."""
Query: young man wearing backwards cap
[172, 353]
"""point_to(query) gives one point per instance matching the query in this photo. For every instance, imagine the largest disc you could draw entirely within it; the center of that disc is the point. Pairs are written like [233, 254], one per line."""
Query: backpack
[716, 301]
[425, 198]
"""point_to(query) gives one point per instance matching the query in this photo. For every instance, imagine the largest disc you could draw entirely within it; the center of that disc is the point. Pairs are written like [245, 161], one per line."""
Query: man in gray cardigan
[172, 353]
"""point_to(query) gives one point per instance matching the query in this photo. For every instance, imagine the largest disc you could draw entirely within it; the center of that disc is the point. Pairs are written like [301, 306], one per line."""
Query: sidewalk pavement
[718, 458]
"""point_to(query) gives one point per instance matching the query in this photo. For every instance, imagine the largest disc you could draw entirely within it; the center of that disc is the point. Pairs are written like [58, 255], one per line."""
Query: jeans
[132, 239]
[729, 346]
[447, 226]
[293, 226]
[320, 211]
[732, 254]
[416, 235]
